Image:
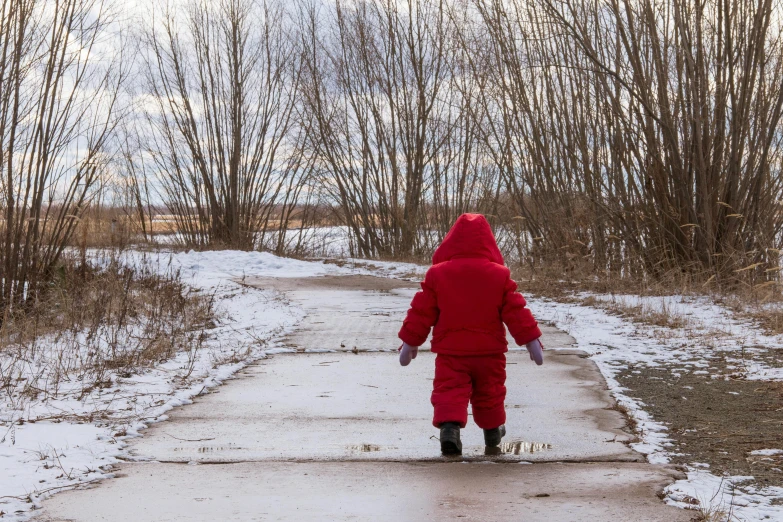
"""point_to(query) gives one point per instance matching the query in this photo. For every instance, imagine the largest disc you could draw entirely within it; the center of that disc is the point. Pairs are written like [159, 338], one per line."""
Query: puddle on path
[367, 448]
[518, 448]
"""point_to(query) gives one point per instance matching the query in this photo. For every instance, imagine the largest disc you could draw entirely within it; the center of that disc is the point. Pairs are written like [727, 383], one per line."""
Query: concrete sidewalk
[316, 407]
[348, 436]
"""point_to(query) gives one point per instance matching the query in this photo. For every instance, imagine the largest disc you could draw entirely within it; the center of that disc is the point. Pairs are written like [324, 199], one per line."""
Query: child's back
[467, 295]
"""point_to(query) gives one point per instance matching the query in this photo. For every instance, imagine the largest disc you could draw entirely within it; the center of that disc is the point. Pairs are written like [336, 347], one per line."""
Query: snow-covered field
[39, 456]
[338, 242]
[332, 242]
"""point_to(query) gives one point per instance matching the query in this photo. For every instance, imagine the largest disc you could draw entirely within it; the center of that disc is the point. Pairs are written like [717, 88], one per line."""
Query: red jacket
[467, 295]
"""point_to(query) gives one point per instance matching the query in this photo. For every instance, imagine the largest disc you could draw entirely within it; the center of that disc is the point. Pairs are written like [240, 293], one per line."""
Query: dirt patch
[716, 421]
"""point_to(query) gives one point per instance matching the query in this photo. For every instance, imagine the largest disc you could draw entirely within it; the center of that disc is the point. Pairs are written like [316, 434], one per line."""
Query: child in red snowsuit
[467, 295]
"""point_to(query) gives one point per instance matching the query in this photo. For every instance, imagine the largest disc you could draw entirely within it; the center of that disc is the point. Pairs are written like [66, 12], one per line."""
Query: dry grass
[97, 320]
[712, 514]
[765, 310]
[643, 313]
[115, 227]
[631, 424]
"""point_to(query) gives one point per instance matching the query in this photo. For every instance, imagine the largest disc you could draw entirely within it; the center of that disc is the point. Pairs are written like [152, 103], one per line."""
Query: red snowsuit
[467, 295]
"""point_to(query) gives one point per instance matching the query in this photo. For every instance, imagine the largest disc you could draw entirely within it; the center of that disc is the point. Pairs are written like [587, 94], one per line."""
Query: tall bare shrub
[641, 135]
[373, 87]
[222, 80]
[695, 91]
[59, 85]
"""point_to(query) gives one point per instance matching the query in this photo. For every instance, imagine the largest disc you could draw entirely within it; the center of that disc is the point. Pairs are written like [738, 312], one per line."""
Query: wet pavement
[372, 491]
[325, 406]
[348, 436]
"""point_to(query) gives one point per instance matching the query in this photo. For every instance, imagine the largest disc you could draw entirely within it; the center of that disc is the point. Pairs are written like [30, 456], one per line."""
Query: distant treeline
[621, 138]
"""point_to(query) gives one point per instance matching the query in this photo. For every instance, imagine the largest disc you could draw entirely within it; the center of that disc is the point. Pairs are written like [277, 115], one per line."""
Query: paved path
[347, 436]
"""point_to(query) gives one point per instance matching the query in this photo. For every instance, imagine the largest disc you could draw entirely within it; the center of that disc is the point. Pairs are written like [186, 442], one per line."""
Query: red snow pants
[478, 379]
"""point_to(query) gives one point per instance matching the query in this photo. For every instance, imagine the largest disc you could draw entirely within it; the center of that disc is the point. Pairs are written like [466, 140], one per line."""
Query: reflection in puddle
[365, 448]
[518, 448]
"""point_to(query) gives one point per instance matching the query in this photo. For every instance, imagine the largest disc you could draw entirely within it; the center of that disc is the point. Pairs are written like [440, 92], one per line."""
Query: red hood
[470, 236]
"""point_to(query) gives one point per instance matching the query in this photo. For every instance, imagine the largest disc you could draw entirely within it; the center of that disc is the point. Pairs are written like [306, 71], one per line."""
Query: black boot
[450, 443]
[492, 437]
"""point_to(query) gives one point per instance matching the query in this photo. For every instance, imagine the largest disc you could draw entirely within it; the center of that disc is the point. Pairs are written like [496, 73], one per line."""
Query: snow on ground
[404, 271]
[334, 242]
[614, 343]
[38, 458]
[704, 319]
[55, 443]
[767, 452]
[219, 265]
[723, 493]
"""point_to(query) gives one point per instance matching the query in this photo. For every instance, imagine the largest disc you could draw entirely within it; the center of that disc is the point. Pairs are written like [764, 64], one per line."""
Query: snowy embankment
[59, 440]
[615, 343]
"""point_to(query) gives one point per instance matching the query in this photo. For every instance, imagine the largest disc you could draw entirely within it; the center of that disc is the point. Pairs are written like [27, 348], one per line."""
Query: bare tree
[642, 135]
[59, 92]
[135, 191]
[373, 88]
[223, 79]
[699, 87]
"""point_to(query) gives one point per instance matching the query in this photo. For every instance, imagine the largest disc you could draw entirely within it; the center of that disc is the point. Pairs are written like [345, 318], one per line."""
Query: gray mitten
[536, 351]
[407, 352]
